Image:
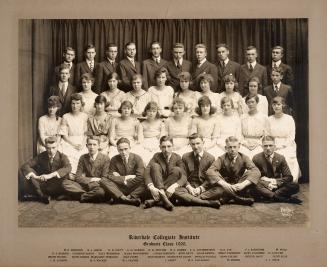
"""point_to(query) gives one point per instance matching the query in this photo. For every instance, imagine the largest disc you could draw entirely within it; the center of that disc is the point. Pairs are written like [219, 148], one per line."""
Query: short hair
[195, 136]
[278, 47]
[248, 97]
[178, 45]
[87, 76]
[128, 44]
[204, 100]
[226, 99]
[50, 140]
[101, 99]
[251, 47]
[201, 46]
[278, 69]
[185, 76]
[160, 71]
[151, 106]
[126, 103]
[153, 43]
[179, 102]
[93, 137]
[111, 45]
[231, 139]
[278, 99]
[69, 48]
[54, 101]
[89, 46]
[113, 75]
[123, 140]
[257, 80]
[208, 77]
[64, 66]
[137, 76]
[230, 78]
[165, 138]
[268, 138]
[222, 45]
[77, 97]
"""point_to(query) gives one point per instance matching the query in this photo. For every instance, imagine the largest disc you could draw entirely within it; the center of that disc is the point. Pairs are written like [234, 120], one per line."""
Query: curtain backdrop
[41, 45]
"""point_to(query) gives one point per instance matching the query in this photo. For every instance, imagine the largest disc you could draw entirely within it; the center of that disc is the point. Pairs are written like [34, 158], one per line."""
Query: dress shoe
[130, 201]
[149, 203]
[247, 201]
[293, 200]
[166, 202]
[63, 197]
[44, 199]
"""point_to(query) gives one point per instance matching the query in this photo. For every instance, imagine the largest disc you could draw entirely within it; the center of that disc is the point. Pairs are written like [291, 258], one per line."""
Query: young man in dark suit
[203, 66]
[63, 89]
[196, 164]
[128, 67]
[163, 175]
[109, 65]
[279, 89]
[151, 65]
[276, 182]
[91, 168]
[233, 174]
[125, 182]
[68, 56]
[251, 69]
[88, 66]
[177, 65]
[277, 53]
[44, 175]
[225, 66]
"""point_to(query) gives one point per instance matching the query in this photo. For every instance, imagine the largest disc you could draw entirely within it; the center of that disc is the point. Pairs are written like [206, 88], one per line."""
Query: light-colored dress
[254, 127]
[100, 128]
[262, 106]
[115, 99]
[283, 129]
[238, 102]
[139, 102]
[214, 97]
[89, 99]
[164, 98]
[74, 127]
[48, 127]
[191, 102]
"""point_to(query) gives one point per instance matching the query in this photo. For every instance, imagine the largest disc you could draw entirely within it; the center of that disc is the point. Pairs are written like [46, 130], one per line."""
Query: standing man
[128, 67]
[251, 69]
[68, 56]
[196, 163]
[125, 182]
[277, 54]
[151, 65]
[177, 65]
[276, 182]
[203, 66]
[225, 66]
[232, 174]
[109, 65]
[164, 174]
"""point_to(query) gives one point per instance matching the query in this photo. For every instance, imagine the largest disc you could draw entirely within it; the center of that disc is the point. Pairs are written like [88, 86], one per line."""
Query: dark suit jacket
[206, 68]
[41, 165]
[197, 179]
[288, 77]
[149, 67]
[232, 67]
[64, 99]
[284, 91]
[135, 166]
[55, 78]
[174, 71]
[223, 169]
[105, 68]
[126, 71]
[278, 169]
[245, 75]
[83, 67]
[86, 169]
[174, 161]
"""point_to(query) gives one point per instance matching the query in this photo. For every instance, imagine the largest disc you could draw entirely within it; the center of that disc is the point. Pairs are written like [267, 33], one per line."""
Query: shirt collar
[277, 63]
[69, 63]
[94, 156]
[130, 59]
[180, 61]
[271, 156]
[253, 64]
[156, 58]
[125, 158]
[278, 85]
[89, 61]
[200, 154]
[202, 61]
[110, 61]
[225, 61]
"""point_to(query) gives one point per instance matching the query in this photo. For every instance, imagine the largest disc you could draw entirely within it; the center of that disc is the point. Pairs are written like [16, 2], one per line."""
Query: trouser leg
[214, 193]
[287, 190]
[96, 194]
[112, 188]
[73, 188]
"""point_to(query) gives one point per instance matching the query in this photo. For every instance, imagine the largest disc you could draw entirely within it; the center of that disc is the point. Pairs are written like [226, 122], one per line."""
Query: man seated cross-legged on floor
[233, 173]
[125, 182]
[163, 175]
[276, 182]
[197, 189]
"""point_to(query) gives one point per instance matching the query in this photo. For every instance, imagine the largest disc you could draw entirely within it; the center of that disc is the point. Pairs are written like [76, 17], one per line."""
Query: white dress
[191, 102]
[164, 98]
[138, 102]
[283, 129]
[115, 99]
[48, 127]
[89, 99]
[238, 102]
[262, 106]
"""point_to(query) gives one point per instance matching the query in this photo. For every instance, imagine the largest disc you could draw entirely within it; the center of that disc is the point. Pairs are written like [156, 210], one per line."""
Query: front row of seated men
[195, 179]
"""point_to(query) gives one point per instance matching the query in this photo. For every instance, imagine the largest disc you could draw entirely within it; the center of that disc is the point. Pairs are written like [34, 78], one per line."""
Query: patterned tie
[91, 65]
[276, 89]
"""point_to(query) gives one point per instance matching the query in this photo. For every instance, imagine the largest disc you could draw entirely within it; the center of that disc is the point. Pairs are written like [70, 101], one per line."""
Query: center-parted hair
[226, 99]
[248, 97]
[161, 71]
[101, 99]
[230, 78]
[126, 103]
[178, 45]
[203, 101]
[207, 77]
[178, 102]
[76, 97]
[88, 77]
[257, 80]
[151, 106]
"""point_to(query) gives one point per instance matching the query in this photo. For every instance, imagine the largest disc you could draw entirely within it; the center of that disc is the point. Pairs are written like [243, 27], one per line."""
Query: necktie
[50, 163]
[133, 62]
[113, 64]
[275, 65]
[63, 88]
[223, 65]
[276, 89]
[157, 61]
[91, 65]
[179, 66]
[196, 164]
[251, 67]
[167, 166]
[125, 163]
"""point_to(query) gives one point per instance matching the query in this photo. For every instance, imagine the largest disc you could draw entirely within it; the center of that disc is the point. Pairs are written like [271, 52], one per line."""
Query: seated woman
[206, 126]
[114, 96]
[282, 127]
[73, 131]
[254, 127]
[138, 97]
[184, 92]
[229, 123]
[151, 130]
[162, 94]
[230, 85]
[179, 127]
[88, 95]
[49, 124]
[99, 123]
[125, 126]
[205, 82]
[254, 85]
